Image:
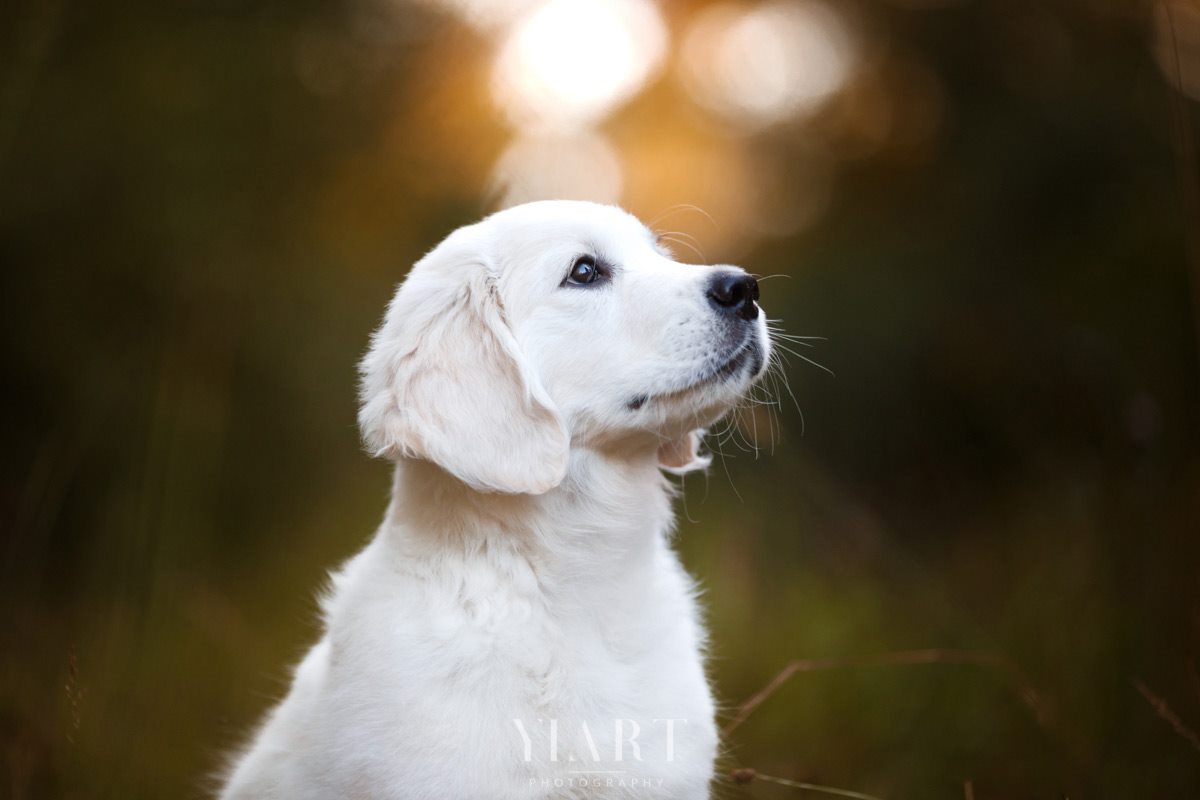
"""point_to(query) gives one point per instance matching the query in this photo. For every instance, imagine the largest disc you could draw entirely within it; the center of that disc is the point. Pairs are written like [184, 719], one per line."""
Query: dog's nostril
[734, 292]
[725, 290]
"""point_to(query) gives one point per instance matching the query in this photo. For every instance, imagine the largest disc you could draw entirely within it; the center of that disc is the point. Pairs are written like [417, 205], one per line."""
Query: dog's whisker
[747, 446]
[684, 235]
[773, 327]
[776, 369]
[687, 240]
[776, 333]
[775, 339]
[750, 412]
[733, 432]
[778, 340]
[770, 390]
[806, 358]
[678, 207]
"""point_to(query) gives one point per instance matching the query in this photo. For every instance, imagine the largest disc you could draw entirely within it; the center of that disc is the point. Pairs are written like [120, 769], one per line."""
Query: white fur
[523, 571]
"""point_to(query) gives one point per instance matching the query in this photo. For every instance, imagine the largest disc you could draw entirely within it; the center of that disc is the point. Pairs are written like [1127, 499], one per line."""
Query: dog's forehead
[567, 221]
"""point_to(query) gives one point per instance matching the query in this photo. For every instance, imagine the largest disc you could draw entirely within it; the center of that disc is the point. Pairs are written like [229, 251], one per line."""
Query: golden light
[713, 198]
[570, 62]
[759, 66]
[483, 14]
[581, 166]
[1177, 45]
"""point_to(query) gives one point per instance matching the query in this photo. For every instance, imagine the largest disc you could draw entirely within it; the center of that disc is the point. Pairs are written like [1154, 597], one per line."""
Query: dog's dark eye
[584, 271]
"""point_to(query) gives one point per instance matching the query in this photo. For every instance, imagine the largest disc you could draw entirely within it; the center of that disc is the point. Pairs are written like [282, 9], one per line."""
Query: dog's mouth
[748, 352]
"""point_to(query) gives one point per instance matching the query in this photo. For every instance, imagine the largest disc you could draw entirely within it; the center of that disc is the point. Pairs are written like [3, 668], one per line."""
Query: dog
[519, 626]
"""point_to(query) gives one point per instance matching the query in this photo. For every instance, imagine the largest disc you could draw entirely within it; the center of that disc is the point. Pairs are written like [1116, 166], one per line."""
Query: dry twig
[898, 658]
[745, 776]
[1167, 715]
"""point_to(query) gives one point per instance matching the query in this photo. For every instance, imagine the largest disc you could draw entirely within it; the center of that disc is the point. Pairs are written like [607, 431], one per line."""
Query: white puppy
[519, 627]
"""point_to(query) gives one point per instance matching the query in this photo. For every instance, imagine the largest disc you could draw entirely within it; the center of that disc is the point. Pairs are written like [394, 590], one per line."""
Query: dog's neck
[608, 510]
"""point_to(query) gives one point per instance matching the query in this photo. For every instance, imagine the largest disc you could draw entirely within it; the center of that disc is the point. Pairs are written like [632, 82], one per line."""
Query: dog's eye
[584, 271]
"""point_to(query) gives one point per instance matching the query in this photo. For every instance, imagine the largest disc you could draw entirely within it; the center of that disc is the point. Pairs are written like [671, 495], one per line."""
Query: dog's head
[552, 325]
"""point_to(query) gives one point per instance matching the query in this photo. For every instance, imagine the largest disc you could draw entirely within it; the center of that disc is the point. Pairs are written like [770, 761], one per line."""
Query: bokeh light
[484, 14]
[1177, 45]
[982, 212]
[570, 62]
[759, 66]
[582, 166]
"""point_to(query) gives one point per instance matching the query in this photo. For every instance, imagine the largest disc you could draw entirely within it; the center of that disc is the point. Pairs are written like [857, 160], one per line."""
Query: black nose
[734, 293]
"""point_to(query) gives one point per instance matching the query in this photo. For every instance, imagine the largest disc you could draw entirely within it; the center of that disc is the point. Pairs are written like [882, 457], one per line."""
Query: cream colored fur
[520, 627]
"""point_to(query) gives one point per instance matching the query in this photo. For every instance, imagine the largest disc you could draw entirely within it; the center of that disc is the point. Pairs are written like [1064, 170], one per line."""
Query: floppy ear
[444, 380]
[681, 456]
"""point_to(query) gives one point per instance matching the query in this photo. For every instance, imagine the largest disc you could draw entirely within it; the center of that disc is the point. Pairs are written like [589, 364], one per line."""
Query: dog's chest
[597, 684]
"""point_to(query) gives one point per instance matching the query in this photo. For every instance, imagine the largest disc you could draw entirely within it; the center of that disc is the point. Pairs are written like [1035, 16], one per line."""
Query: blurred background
[988, 208]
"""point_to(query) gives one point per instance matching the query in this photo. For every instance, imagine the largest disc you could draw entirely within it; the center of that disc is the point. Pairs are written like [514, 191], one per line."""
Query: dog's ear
[444, 380]
[681, 456]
